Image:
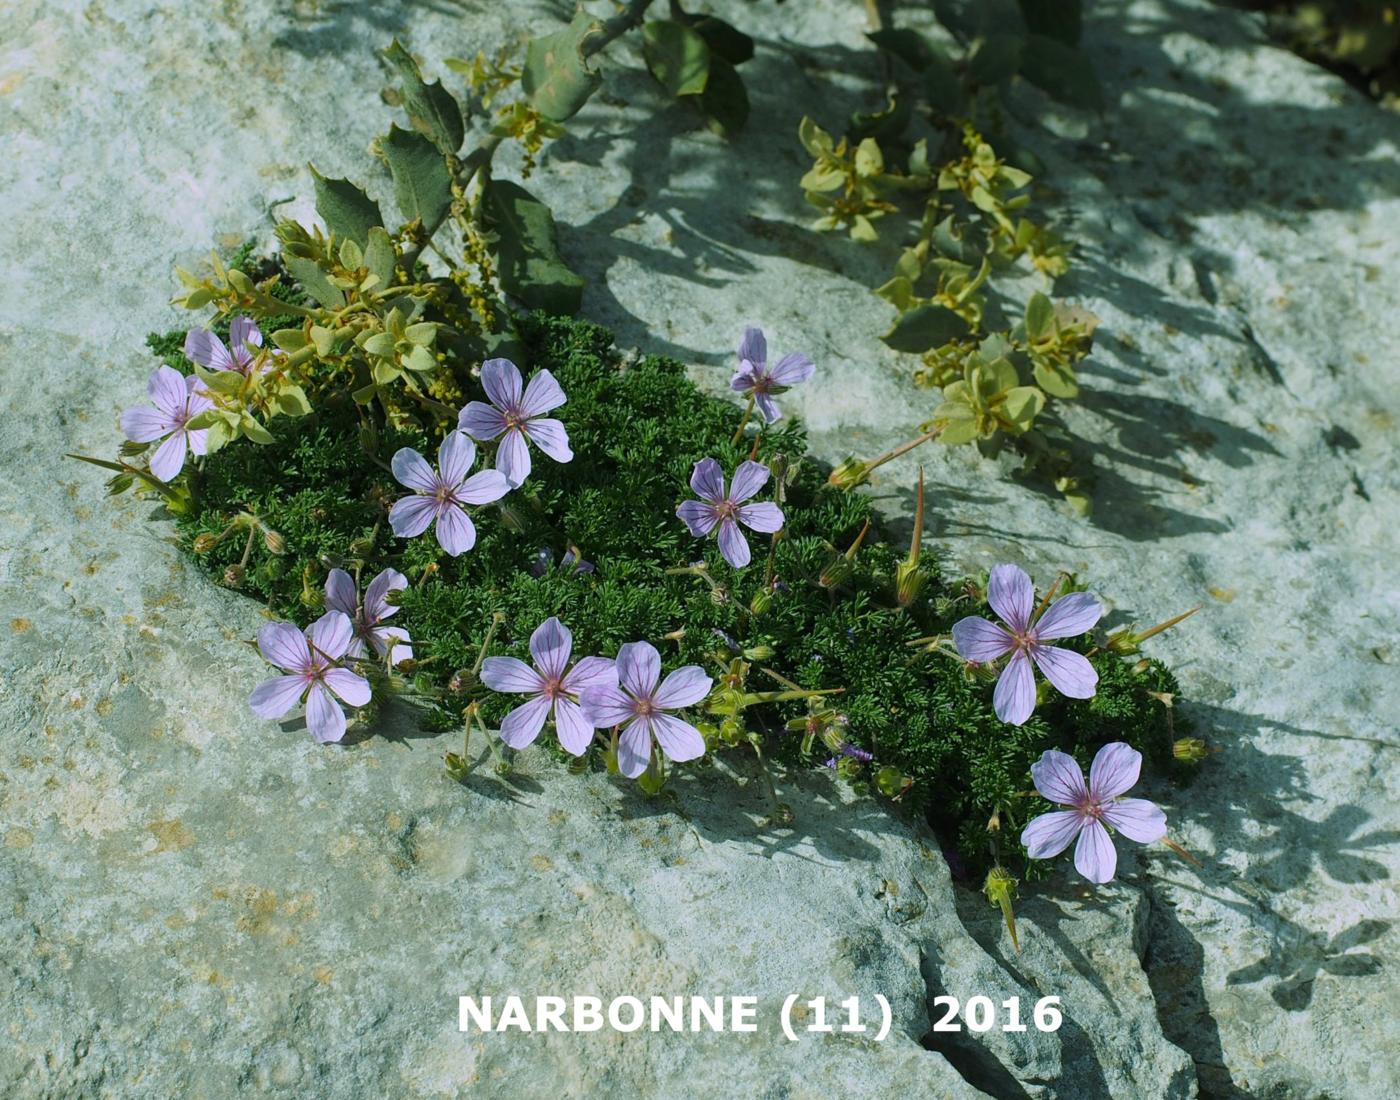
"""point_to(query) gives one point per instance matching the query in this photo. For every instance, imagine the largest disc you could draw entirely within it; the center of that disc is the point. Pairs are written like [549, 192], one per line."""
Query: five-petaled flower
[1012, 596]
[440, 496]
[715, 508]
[312, 663]
[755, 379]
[244, 342]
[520, 415]
[368, 618]
[1114, 770]
[177, 401]
[639, 699]
[552, 687]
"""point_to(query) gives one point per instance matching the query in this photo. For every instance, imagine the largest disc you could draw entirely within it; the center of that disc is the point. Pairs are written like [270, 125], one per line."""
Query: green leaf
[256, 432]
[291, 401]
[814, 139]
[422, 182]
[726, 100]
[1040, 317]
[556, 76]
[724, 39]
[347, 211]
[430, 107]
[995, 57]
[886, 124]
[380, 256]
[1057, 381]
[1062, 72]
[1059, 19]
[1023, 405]
[528, 247]
[924, 328]
[313, 280]
[908, 45]
[942, 85]
[677, 56]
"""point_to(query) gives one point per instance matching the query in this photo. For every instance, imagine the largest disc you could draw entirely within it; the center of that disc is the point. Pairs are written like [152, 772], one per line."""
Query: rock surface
[202, 905]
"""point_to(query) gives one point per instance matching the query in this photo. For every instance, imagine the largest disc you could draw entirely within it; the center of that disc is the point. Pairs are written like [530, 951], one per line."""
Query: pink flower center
[553, 688]
[726, 509]
[644, 708]
[1090, 807]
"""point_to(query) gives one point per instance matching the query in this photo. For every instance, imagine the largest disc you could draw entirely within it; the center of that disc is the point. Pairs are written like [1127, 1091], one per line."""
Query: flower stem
[744, 423]
[903, 448]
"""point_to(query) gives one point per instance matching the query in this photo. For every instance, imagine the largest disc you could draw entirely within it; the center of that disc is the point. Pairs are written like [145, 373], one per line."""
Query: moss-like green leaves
[431, 108]
[422, 182]
[531, 266]
[556, 76]
[347, 211]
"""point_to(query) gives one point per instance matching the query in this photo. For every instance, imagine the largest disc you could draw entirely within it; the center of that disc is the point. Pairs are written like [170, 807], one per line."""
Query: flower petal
[513, 457]
[979, 639]
[591, 672]
[283, 645]
[274, 698]
[680, 741]
[169, 458]
[1057, 777]
[455, 457]
[1069, 616]
[1049, 834]
[1094, 855]
[456, 533]
[542, 394]
[198, 440]
[550, 645]
[744, 379]
[792, 368]
[412, 470]
[1014, 697]
[683, 688]
[765, 517]
[243, 331]
[143, 425]
[1070, 672]
[768, 407]
[483, 487]
[391, 636]
[510, 674]
[340, 593]
[575, 732]
[1115, 769]
[749, 478]
[410, 516]
[733, 545]
[606, 706]
[700, 516]
[349, 686]
[639, 668]
[549, 436]
[206, 349]
[522, 725]
[330, 634]
[1137, 819]
[480, 421]
[324, 718]
[707, 479]
[501, 380]
[1012, 596]
[377, 606]
[753, 348]
[634, 748]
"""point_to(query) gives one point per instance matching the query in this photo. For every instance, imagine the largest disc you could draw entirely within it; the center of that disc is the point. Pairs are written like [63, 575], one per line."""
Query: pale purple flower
[1114, 770]
[715, 508]
[368, 618]
[638, 701]
[755, 379]
[177, 401]
[440, 496]
[520, 415]
[244, 342]
[1012, 596]
[312, 663]
[553, 687]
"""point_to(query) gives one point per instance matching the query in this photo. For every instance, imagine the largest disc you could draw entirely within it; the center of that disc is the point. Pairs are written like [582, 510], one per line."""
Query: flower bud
[908, 580]
[1190, 750]
[836, 574]
[361, 548]
[235, 575]
[761, 602]
[849, 474]
[759, 652]
[461, 681]
[205, 542]
[274, 542]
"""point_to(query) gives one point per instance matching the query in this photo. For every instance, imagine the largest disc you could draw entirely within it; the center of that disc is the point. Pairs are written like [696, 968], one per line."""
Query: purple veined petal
[483, 487]
[792, 368]
[198, 440]
[550, 646]
[396, 638]
[377, 606]
[639, 668]
[455, 457]
[513, 458]
[1094, 856]
[979, 639]
[707, 479]
[574, 730]
[1137, 819]
[480, 420]
[340, 593]
[1012, 596]
[349, 686]
[606, 706]
[274, 698]
[501, 380]
[683, 688]
[410, 516]
[512, 675]
[143, 425]
[330, 635]
[283, 645]
[1057, 777]
[411, 469]
[749, 478]
[549, 436]
[733, 545]
[1070, 672]
[765, 517]
[768, 407]
[167, 391]
[522, 725]
[1050, 834]
[456, 533]
[743, 380]
[1069, 616]
[197, 398]
[699, 516]
[1014, 697]
[324, 718]
[357, 650]
[634, 748]
[241, 333]
[206, 349]
[169, 458]
[680, 741]
[1115, 769]
[753, 348]
[542, 394]
[591, 672]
